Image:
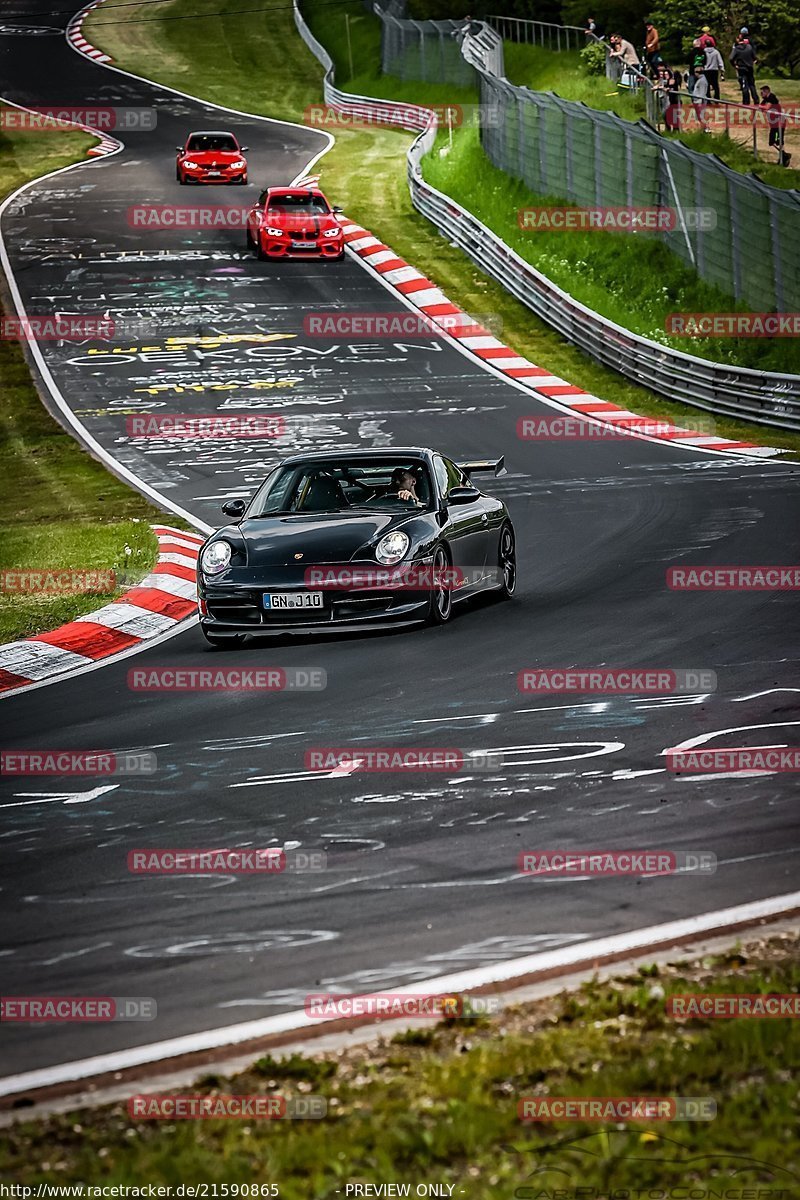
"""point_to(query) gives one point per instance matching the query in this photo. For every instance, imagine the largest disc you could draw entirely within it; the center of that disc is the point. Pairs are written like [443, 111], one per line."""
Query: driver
[403, 484]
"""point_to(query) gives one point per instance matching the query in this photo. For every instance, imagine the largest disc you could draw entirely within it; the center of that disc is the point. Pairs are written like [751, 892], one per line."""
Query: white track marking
[65, 797]
[562, 959]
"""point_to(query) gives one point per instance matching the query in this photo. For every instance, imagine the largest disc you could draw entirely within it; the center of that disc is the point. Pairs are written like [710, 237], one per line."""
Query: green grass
[609, 272]
[562, 72]
[365, 172]
[62, 509]
[444, 1108]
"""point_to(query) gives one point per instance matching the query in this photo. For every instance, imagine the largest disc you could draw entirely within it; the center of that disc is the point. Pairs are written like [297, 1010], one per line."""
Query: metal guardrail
[768, 398]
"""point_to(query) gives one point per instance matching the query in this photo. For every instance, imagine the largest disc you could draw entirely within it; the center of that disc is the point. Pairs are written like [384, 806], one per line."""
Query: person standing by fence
[743, 58]
[777, 123]
[714, 66]
[697, 58]
[652, 46]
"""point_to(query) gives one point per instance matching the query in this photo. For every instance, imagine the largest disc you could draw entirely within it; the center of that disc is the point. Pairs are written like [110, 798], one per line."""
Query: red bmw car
[211, 156]
[291, 222]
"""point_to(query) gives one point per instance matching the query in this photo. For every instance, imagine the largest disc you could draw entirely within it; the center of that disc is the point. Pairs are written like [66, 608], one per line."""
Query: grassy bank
[440, 1104]
[653, 284]
[62, 509]
[240, 60]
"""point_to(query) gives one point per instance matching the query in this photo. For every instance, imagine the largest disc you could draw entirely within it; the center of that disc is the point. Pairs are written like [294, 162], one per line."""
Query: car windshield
[304, 206]
[389, 485]
[199, 142]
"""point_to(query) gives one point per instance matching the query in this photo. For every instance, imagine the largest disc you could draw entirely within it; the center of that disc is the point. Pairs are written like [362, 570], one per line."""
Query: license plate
[215, 172]
[273, 600]
[305, 245]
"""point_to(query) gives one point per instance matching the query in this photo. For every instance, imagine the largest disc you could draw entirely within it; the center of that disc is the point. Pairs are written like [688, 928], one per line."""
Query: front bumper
[202, 175]
[234, 604]
[285, 248]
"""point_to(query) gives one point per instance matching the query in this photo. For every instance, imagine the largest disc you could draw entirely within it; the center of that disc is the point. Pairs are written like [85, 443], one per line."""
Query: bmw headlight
[215, 558]
[332, 232]
[192, 166]
[236, 165]
[272, 232]
[391, 548]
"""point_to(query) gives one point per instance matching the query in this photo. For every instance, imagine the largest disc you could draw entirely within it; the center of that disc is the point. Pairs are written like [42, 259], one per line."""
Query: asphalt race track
[421, 874]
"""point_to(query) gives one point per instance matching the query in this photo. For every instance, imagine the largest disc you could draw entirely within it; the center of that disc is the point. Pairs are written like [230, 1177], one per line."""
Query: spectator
[697, 58]
[674, 84]
[700, 97]
[743, 58]
[745, 32]
[713, 66]
[623, 50]
[667, 85]
[652, 46]
[591, 26]
[777, 123]
[707, 38]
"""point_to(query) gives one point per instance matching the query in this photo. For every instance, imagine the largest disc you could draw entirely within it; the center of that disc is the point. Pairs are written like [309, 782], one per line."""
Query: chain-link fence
[425, 51]
[564, 149]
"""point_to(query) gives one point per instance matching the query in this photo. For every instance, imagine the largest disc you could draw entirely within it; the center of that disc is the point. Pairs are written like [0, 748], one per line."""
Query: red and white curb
[423, 294]
[156, 605]
[75, 36]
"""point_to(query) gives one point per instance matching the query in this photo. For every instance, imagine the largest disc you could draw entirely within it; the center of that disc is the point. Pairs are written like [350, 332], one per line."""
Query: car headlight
[391, 548]
[192, 166]
[235, 166]
[332, 232]
[215, 558]
[272, 232]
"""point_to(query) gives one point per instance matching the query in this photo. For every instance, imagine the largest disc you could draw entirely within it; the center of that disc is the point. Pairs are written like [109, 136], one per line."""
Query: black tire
[440, 607]
[178, 176]
[250, 243]
[261, 253]
[223, 641]
[507, 563]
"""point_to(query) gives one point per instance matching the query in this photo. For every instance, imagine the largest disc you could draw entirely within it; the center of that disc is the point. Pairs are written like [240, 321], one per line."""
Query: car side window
[440, 471]
[455, 476]
[262, 199]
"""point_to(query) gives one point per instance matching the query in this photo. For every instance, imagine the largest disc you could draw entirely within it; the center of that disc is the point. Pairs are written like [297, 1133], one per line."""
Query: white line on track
[562, 959]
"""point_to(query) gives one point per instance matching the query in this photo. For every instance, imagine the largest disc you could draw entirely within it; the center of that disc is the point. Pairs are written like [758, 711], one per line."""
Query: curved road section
[421, 875]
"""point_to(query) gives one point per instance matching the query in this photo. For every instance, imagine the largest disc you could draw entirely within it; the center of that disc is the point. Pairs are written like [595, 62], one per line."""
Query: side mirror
[179, 149]
[243, 148]
[463, 495]
[234, 508]
[337, 209]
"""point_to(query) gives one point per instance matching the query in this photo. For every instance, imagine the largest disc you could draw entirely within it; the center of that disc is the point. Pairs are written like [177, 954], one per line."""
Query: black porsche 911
[340, 541]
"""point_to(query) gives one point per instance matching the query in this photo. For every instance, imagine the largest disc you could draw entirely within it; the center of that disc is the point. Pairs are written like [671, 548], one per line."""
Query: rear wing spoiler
[496, 465]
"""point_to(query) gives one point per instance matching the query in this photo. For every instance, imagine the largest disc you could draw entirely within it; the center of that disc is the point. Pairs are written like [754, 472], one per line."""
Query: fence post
[568, 148]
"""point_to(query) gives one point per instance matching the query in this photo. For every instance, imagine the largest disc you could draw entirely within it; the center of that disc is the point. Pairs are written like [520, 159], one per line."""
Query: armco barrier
[768, 398]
